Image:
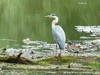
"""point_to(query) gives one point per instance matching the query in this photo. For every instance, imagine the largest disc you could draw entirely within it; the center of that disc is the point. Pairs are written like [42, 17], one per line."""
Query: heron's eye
[53, 14]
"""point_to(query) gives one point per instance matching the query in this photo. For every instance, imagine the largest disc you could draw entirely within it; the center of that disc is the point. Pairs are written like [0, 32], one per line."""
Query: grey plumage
[59, 36]
[58, 32]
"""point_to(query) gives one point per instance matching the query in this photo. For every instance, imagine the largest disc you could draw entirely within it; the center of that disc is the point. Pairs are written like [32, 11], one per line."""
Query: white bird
[58, 32]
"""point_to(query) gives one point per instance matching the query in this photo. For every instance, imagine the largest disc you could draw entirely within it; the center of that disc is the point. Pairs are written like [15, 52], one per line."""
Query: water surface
[21, 19]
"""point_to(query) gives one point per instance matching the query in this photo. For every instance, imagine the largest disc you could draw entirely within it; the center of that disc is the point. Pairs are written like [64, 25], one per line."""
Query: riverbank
[69, 64]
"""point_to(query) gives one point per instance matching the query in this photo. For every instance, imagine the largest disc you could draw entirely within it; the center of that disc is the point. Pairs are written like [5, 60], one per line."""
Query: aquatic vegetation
[43, 63]
[95, 65]
[57, 64]
[59, 60]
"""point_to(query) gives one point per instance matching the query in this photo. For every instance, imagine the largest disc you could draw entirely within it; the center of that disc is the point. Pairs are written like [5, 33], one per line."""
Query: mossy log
[44, 65]
[15, 59]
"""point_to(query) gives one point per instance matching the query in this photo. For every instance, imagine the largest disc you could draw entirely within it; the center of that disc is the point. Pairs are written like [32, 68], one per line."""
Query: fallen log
[15, 59]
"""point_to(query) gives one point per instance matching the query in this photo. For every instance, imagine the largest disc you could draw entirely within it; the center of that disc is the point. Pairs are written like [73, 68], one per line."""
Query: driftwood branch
[15, 59]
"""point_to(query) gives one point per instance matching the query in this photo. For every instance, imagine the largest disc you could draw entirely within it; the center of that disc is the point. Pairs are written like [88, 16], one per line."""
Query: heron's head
[51, 16]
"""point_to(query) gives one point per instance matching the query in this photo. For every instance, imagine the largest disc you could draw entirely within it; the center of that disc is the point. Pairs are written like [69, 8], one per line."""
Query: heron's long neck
[55, 21]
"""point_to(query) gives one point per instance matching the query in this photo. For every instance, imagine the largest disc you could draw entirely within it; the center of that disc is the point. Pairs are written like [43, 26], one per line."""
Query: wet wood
[14, 59]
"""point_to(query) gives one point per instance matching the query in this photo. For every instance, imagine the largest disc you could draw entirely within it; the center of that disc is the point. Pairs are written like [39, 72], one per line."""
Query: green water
[21, 19]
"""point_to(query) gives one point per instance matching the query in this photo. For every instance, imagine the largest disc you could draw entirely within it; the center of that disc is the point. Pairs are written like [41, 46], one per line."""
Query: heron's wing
[59, 36]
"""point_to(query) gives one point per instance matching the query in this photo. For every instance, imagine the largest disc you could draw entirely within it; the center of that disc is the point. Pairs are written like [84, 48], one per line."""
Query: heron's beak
[47, 16]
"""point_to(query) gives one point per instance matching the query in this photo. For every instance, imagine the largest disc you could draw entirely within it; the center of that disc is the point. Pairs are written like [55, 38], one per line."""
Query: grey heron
[58, 32]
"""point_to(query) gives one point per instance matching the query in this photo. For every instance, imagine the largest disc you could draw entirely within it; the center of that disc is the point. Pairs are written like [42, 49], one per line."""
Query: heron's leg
[59, 53]
[56, 49]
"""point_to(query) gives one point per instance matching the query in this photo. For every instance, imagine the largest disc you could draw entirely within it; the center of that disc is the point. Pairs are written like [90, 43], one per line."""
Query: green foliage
[67, 59]
[60, 60]
[95, 65]
[3, 58]
[97, 59]
[43, 63]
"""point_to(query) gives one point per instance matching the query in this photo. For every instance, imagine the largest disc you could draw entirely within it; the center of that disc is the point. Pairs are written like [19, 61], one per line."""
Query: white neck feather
[55, 21]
